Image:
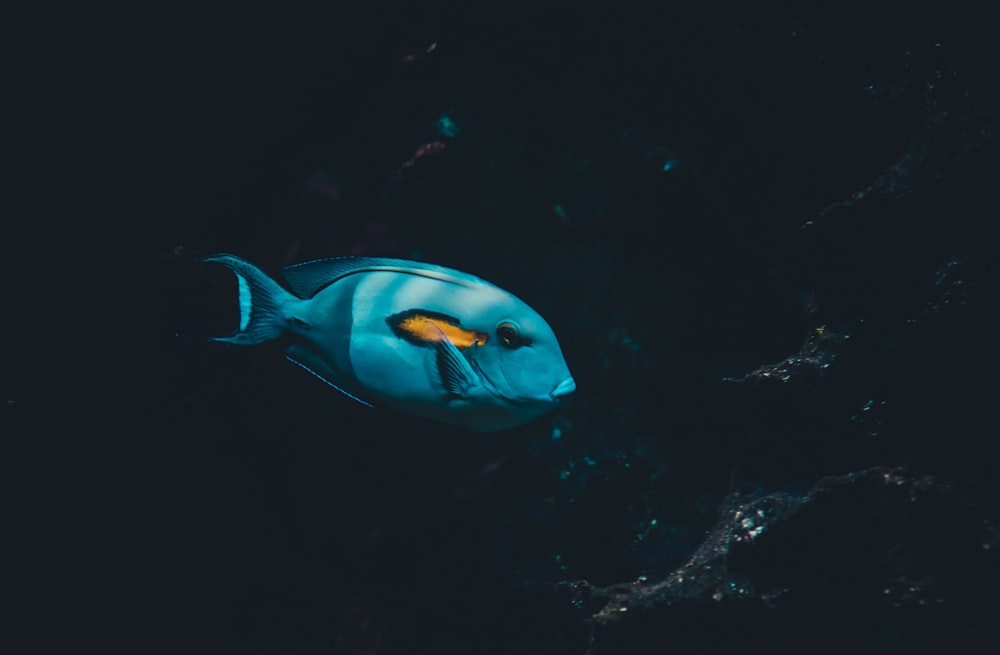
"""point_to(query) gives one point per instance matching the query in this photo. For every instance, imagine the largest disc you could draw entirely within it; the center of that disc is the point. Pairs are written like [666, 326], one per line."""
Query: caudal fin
[262, 303]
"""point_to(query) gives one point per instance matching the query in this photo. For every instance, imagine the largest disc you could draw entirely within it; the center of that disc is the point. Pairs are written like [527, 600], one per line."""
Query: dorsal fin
[307, 278]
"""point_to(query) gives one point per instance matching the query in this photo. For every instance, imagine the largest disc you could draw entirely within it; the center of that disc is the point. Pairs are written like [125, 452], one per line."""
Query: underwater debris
[417, 57]
[949, 288]
[13, 405]
[869, 417]
[946, 137]
[432, 148]
[955, 119]
[820, 350]
[327, 185]
[663, 158]
[399, 178]
[446, 126]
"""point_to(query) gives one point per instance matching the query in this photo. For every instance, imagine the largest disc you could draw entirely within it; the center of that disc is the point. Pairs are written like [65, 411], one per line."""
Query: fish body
[418, 338]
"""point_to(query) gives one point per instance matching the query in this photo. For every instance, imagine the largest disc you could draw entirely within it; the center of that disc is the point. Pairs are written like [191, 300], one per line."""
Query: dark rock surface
[882, 559]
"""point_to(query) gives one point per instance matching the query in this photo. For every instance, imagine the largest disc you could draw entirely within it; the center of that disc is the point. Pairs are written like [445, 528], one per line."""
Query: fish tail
[262, 303]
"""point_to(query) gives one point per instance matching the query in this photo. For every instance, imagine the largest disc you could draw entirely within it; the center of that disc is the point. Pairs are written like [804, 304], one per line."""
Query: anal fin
[305, 358]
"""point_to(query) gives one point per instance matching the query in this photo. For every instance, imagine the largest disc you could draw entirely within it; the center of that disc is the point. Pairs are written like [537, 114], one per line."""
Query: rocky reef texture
[875, 559]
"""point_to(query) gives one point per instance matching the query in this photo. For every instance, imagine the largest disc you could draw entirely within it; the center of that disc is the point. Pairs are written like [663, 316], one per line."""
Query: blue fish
[421, 339]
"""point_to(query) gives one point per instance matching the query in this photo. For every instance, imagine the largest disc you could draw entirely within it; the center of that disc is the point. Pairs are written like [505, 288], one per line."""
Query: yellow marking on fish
[426, 328]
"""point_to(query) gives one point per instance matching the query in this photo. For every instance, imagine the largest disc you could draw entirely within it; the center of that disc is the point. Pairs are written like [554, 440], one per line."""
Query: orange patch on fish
[432, 329]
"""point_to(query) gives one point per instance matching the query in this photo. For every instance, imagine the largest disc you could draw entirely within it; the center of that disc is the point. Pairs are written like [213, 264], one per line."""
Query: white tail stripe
[244, 302]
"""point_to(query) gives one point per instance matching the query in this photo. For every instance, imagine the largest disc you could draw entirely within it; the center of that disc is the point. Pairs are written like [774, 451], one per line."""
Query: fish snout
[562, 391]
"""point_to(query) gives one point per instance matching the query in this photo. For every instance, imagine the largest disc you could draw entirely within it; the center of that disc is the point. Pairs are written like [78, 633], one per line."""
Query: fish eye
[509, 335]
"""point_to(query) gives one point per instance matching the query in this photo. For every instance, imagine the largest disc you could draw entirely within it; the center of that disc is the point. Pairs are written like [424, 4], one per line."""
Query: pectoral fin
[455, 372]
[445, 334]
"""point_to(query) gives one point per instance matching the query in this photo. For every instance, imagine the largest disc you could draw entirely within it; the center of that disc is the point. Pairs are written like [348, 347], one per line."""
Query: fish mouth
[563, 390]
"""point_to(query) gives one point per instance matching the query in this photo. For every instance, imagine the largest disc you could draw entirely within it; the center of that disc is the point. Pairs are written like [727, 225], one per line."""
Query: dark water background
[685, 195]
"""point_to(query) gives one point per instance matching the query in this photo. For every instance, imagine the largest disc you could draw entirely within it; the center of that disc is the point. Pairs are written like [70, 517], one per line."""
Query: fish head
[521, 362]
[492, 362]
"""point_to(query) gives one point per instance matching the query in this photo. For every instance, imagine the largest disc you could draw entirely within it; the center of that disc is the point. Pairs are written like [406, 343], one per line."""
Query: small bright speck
[669, 164]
